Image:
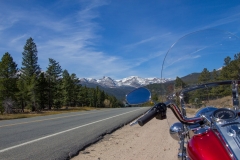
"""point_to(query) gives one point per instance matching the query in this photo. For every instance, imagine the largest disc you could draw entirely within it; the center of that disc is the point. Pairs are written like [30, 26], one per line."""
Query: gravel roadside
[150, 142]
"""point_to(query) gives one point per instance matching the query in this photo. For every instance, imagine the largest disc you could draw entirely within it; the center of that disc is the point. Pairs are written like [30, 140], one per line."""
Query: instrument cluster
[224, 114]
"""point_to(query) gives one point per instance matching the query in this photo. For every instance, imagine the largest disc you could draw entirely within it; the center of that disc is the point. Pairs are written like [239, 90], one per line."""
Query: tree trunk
[49, 96]
[22, 104]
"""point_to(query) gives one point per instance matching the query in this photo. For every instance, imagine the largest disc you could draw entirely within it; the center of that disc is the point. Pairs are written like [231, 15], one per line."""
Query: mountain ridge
[132, 81]
[119, 88]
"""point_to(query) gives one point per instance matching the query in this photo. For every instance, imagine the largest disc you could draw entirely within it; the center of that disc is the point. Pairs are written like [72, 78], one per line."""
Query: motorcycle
[213, 132]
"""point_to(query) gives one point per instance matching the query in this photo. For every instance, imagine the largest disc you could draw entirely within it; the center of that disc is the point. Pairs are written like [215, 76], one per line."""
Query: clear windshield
[200, 57]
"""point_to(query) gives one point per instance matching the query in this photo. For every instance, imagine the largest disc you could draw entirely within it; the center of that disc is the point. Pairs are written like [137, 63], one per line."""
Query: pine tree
[98, 98]
[66, 88]
[205, 76]
[8, 77]
[33, 92]
[30, 71]
[54, 73]
[237, 56]
[75, 89]
[215, 75]
[215, 90]
[30, 60]
[231, 71]
[22, 94]
[8, 80]
[101, 96]
[227, 60]
[42, 89]
[82, 96]
[92, 97]
[58, 94]
[179, 84]
[113, 101]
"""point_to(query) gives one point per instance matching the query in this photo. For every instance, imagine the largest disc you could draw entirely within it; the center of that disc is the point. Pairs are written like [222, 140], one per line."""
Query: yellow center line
[41, 120]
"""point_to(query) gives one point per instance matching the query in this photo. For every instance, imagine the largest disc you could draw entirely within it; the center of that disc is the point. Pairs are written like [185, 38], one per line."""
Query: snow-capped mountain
[133, 81]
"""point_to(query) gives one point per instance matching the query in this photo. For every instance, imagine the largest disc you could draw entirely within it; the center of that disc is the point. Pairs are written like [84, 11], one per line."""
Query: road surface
[60, 136]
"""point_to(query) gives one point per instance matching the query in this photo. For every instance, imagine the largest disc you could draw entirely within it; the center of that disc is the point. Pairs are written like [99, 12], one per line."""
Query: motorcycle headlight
[175, 130]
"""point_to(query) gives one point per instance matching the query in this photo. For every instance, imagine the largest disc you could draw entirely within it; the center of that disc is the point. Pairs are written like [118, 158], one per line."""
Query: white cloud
[147, 40]
[73, 38]
[74, 49]
[17, 39]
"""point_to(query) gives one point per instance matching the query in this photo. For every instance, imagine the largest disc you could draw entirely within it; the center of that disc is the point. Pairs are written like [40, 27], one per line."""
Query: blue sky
[117, 38]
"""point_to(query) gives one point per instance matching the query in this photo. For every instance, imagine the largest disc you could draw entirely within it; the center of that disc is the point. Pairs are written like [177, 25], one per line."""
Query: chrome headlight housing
[175, 130]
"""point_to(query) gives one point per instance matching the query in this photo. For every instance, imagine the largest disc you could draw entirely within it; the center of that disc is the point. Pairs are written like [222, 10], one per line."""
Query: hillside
[119, 92]
[191, 78]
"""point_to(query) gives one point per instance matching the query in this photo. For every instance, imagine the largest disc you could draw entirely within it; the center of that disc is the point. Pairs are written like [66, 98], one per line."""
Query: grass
[191, 111]
[29, 114]
[225, 102]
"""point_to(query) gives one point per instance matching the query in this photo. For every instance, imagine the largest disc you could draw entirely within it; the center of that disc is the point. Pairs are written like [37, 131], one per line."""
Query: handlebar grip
[150, 115]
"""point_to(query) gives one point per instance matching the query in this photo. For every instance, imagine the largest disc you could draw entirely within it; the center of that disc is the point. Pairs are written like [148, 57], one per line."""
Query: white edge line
[51, 135]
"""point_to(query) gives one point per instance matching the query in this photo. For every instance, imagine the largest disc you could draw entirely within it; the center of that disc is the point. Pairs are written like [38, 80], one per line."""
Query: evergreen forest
[28, 88]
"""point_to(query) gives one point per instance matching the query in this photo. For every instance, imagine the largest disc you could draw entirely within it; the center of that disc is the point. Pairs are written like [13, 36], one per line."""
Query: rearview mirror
[138, 96]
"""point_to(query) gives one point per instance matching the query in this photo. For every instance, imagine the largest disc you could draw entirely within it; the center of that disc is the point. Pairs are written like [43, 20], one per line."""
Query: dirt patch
[221, 102]
[151, 141]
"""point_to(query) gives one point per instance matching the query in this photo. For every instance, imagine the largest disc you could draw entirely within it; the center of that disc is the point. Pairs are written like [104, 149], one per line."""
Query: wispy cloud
[72, 40]
[8, 19]
[231, 15]
[75, 46]
[93, 38]
[16, 39]
[147, 40]
[140, 42]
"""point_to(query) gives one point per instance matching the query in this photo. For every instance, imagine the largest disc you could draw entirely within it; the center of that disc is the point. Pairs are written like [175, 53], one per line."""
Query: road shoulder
[151, 141]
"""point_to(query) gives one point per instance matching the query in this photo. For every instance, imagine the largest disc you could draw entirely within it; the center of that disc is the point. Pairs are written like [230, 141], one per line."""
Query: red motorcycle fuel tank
[207, 146]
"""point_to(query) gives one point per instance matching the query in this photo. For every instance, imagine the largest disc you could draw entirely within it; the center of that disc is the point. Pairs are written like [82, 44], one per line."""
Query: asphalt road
[60, 136]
